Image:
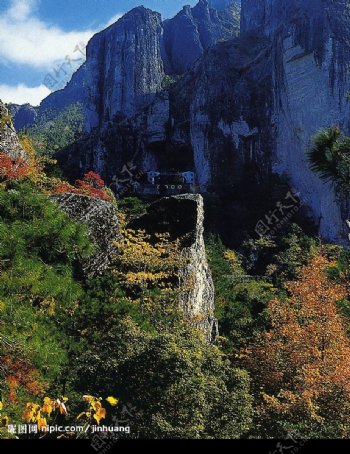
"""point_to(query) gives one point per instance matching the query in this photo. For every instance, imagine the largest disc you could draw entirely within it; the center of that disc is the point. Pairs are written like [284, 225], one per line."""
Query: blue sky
[41, 37]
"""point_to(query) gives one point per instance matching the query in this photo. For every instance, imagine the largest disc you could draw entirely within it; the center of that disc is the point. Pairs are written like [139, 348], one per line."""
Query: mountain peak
[222, 4]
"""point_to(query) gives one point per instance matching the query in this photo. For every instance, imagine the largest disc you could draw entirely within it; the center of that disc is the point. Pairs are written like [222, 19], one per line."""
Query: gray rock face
[251, 102]
[122, 73]
[227, 101]
[103, 227]
[183, 218]
[9, 143]
[127, 62]
[310, 51]
[23, 115]
[223, 4]
[270, 16]
[198, 302]
[193, 30]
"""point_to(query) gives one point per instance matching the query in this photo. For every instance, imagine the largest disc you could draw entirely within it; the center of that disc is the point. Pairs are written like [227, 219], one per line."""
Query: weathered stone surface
[122, 73]
[227, 101]
[126, 63]
[103, 227]
[9, 143]
[183, 218]
[23, 115]
[311, 53]
[252, 101]
[223, 4]
[194, 30]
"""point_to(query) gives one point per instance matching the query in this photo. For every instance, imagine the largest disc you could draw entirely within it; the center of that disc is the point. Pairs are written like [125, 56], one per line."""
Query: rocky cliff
[122, 72]
[101, 220]
[310, 52]
[23, 115]
[183, 218]
[194, 30]
[223, 4]
[9, 143]
[126, 63]
[246, 108]
[222, 108]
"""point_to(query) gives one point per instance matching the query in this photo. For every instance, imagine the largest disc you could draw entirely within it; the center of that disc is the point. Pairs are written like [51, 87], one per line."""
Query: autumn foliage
[12, 169]
[301, 366]
[39, 414]
[20, 374]
[91, 185]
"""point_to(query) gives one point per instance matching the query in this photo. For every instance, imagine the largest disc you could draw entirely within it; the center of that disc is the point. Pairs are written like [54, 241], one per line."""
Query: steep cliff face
[126, 63]
[147, 135]
[223, 4]
[223, 109]
[9, 143]
[247, 106]
[23, 115]
[194, 30]
[215, 121]
[198, 301]
[122, 73]
[311, 53]
[183, 218]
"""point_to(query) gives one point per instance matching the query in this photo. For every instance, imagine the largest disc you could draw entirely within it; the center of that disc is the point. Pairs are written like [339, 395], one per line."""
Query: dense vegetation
[115, 348]
[53, 130]
[330, 157]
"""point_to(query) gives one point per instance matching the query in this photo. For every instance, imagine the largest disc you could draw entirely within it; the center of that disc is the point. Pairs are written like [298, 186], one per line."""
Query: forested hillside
[81, 348]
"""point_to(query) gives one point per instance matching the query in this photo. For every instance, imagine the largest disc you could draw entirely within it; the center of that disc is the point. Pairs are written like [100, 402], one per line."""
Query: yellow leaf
[100, 414]
[88, 398]
[47, 401]
[31, 413]
[47, 408]
[1, 405]
[112, 401]
[42, 423]
[96, 405]
[65, 399]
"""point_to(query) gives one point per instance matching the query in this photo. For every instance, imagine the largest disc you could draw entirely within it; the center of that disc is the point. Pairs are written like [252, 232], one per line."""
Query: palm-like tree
[330, 157]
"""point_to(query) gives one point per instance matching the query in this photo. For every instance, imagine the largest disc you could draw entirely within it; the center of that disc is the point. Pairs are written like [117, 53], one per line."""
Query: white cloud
[21, 94]
[114, 19]
[25, 39]
[20, 9]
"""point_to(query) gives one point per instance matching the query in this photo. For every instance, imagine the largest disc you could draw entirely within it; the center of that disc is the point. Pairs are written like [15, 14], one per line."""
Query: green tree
[175, 384]
[39, 248]
[329, 156]
[240, 298]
